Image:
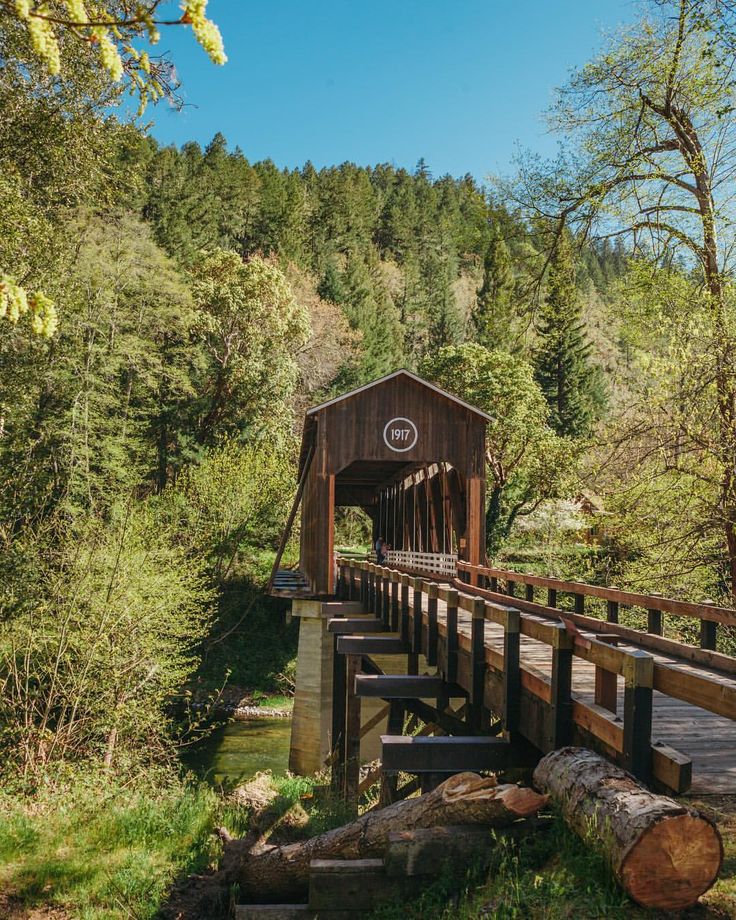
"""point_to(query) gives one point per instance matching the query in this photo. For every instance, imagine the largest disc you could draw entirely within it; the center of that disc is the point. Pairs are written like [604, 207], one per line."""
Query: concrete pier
[311, 725]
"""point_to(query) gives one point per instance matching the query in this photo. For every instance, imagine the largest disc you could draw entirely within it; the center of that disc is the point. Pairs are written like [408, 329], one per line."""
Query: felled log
[281, 873]
[663, 853]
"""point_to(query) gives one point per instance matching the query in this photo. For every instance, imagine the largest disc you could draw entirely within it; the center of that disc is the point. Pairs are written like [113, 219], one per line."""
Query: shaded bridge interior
[417, 507]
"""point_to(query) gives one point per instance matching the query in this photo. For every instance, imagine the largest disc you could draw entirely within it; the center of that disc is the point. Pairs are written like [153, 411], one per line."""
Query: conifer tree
[570, 381]
[494, 312]
[330, 286]
[371, 311]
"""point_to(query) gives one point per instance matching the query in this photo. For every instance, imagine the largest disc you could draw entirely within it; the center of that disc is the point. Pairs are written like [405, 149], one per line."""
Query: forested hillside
[166, 315]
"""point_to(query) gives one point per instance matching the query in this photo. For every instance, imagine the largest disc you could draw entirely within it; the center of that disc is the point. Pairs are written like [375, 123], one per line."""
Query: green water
[238, 750]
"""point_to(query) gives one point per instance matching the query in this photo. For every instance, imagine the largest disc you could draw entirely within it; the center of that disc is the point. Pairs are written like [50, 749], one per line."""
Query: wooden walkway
[556, 680]
[709, 740]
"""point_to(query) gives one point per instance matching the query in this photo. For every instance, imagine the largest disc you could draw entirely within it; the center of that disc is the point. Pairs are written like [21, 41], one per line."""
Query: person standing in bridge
[380, 546]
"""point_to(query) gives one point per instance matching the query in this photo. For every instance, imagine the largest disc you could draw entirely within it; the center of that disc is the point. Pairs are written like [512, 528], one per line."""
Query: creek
[234, 752]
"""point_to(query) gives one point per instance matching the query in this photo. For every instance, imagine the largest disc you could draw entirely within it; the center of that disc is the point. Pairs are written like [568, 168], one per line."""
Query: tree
[331, 287]
[102, 621]
[237, 496]
[655, 151]
[373, 315]
[494, 310]
[100, 411]
[571, 384]
[58, 37]
[250, 327]
[527, 461]
[108, 29]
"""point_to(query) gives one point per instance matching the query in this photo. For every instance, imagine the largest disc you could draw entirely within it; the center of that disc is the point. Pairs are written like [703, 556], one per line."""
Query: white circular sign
[400, 434]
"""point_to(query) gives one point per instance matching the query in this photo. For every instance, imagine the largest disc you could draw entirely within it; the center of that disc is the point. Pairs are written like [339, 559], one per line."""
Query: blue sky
[458, 82]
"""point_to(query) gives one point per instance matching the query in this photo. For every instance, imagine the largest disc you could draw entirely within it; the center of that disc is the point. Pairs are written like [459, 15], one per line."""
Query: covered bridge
[411, 456]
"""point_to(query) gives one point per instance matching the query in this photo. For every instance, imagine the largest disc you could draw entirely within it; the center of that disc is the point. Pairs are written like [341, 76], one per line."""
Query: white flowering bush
[16, 301]
[111, 29]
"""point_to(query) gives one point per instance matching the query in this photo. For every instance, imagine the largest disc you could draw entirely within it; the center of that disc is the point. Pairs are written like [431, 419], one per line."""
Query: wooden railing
[505, 581]
[438, 563]
[543, 709]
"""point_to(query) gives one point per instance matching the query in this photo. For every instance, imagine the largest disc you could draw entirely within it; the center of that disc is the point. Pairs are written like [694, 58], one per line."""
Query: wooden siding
[353, 465]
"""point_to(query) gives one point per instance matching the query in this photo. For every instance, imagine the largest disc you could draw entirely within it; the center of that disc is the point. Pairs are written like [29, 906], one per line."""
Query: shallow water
[238, 750]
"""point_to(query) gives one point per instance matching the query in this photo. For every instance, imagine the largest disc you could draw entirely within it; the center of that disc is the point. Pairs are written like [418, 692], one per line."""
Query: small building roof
[405, 373]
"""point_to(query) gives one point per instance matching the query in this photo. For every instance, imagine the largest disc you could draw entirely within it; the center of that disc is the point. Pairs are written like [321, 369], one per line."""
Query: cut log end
[673, 863]
[521, 801]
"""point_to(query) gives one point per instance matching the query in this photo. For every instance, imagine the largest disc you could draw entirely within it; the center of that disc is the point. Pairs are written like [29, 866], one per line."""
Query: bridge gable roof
[405, 373]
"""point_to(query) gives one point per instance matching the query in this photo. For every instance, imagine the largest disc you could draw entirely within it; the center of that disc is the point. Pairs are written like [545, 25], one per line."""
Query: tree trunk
[664, 854]
[282, 873]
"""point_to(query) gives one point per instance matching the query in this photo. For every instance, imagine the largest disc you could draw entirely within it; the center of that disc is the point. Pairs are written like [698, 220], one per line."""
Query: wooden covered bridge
[434, 663]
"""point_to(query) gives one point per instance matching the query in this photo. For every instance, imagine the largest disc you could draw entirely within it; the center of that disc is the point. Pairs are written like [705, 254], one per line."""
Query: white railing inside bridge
[437, 563]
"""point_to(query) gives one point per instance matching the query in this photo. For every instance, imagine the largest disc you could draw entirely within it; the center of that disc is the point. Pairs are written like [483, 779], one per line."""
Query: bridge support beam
[311, 726]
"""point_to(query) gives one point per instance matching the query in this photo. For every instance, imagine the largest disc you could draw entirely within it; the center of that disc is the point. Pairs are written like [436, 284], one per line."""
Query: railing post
[494, 583]
[349, 581]
[370, 586]
[395, 587]
[386, 598]
[404, 608]
[708, 631]
[452, 640]
[511, 670]
[510, 587]
[612, 610]
[579, 602]
[654, 621]
[477, 663]
[708, 634]
[416, 632]
[638, 680]
[551, 597]
[432, 632]
[529, 592]
[364, 599]
[560, 728]
[606, 685]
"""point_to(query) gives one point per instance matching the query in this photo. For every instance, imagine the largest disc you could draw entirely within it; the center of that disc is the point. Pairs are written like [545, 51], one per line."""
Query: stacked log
[281, 873]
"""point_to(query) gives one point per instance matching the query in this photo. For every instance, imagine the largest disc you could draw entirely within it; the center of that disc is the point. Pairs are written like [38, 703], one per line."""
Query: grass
[273, 701]
[102, 848]
[551, 874]
[554, 875]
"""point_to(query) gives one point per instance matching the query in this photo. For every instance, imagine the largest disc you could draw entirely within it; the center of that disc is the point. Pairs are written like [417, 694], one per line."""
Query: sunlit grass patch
[107, 851]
